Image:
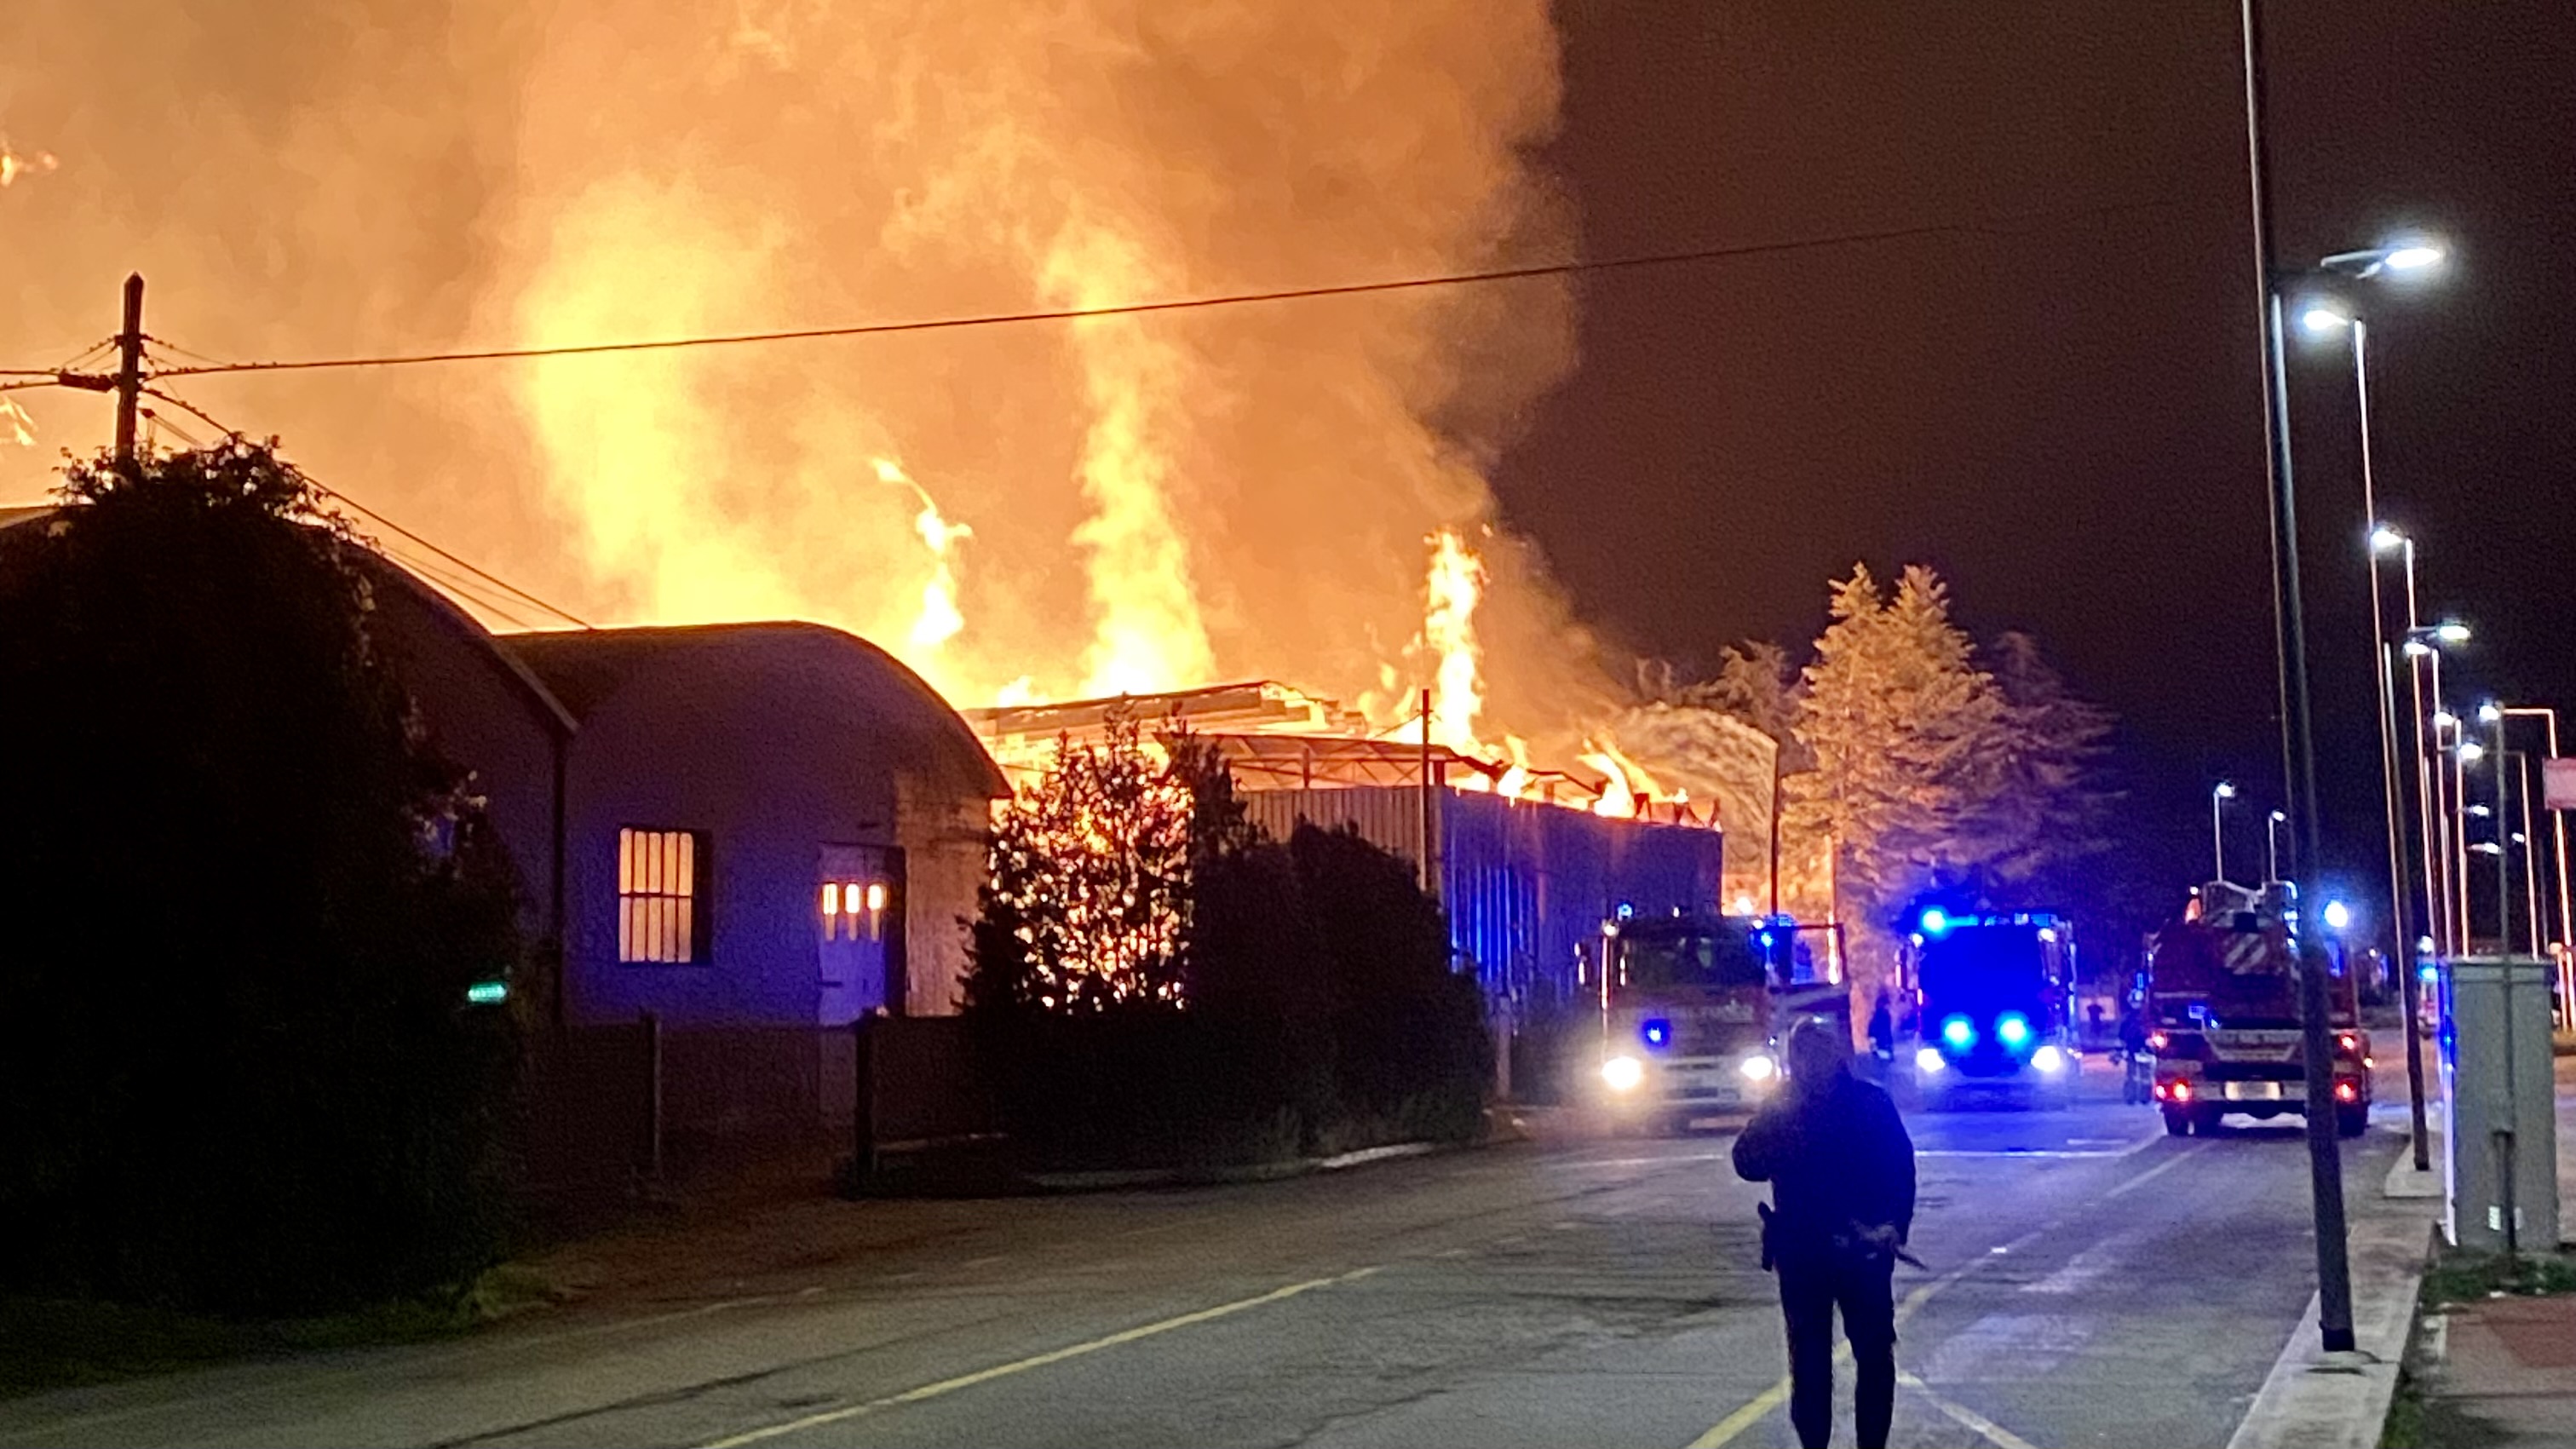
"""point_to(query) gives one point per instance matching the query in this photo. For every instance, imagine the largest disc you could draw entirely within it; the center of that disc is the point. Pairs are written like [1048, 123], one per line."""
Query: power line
[458, 585]
[173, 346]
[495, 580]
[1132, 309]
[509, 589]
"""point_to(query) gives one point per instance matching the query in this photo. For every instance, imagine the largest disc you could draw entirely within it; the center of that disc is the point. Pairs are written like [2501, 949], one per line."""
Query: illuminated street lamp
[2323, 318]
[2415, 255]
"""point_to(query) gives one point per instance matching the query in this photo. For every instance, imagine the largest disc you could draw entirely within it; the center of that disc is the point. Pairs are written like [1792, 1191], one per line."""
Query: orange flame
[1456, 583]
[14, 164]
[939, 619]
[1628, 788]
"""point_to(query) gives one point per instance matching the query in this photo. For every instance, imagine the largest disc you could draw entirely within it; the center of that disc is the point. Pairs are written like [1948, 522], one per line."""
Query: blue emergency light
[1658, 1033]
[2013, 1029]
[1959, 1033]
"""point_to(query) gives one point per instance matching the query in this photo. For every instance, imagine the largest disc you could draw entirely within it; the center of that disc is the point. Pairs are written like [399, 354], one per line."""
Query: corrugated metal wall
[1525, 884]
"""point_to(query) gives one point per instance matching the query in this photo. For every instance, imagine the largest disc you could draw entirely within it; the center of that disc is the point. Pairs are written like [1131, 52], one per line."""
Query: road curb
[2317, 1400]
[1144, 1177]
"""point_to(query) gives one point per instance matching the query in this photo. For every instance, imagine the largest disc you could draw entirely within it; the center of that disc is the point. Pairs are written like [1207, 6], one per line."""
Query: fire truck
[2223, 1016]
[1993, 998]
[1685, 1018]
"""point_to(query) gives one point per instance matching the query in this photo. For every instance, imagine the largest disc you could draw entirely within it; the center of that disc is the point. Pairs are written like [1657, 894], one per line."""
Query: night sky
[2063, 413]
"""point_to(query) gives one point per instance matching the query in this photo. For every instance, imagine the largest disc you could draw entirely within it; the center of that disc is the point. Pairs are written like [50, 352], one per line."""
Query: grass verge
[49, 1343]
[2458, 1277]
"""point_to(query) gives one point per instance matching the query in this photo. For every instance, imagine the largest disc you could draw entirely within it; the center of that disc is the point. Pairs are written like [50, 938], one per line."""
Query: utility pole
[2325, 1159]
[1776, 747]
[129, 374]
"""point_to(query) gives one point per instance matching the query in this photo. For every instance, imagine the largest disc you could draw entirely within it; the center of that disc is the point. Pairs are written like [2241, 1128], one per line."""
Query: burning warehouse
[1528, 864]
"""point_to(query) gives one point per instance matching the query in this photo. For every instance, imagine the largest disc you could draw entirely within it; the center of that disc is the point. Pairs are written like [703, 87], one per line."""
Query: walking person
[1841, 1169]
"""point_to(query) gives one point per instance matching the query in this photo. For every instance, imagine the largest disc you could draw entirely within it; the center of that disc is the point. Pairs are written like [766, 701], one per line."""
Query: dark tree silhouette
[245, 903]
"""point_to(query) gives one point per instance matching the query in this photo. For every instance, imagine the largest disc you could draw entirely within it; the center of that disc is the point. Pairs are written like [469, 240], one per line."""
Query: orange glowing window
[661, 896]
[854, 910]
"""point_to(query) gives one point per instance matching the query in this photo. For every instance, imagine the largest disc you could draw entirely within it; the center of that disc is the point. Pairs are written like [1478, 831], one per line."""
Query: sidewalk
[2502, 1369]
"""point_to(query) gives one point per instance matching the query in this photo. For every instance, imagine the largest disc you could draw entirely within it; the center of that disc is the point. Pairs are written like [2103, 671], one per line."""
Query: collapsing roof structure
[1277, 737]
[1528, 864]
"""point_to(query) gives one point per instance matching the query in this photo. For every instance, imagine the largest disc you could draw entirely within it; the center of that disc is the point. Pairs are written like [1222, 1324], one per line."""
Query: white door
[859, 926]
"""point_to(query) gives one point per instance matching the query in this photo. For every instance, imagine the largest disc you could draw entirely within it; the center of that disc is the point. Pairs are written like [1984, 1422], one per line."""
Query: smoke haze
[1147, 502]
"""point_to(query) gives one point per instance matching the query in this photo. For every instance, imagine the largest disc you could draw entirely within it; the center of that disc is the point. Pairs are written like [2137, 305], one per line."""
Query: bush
[245, 904]
[1411, 1057]
[1296, 998]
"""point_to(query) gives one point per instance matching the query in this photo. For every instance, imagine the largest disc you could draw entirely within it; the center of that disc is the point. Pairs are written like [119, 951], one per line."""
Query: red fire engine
[2223, 1016]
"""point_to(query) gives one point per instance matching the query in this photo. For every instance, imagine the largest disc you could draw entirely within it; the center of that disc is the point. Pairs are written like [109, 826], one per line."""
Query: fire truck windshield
[1652, 959]
[1983, 968]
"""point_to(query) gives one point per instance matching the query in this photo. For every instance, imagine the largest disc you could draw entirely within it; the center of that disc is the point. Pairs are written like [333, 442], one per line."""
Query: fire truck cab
[2224, 1021]
[1685, 1019]
[1993, 996]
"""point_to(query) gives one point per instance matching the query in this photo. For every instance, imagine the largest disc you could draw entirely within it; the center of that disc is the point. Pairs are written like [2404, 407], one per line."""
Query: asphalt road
[2091, 1281]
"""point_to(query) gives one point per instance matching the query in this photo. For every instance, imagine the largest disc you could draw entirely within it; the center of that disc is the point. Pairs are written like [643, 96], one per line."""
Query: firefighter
[1841, 1170]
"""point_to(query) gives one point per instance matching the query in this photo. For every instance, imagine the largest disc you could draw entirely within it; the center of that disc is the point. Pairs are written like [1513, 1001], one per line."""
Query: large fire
[1133, 503]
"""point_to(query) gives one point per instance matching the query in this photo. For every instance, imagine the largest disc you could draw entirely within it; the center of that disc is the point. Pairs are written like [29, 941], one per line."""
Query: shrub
[1294, 998]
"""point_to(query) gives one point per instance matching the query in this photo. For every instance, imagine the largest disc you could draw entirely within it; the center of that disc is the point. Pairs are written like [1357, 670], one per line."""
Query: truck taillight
[2157, 1041]
[2347, 1092]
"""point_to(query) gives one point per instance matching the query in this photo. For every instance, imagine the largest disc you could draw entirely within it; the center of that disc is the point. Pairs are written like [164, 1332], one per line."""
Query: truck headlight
[1622, 1074]
[2048, 1059]
[1758, 1067]
[1928, 1060]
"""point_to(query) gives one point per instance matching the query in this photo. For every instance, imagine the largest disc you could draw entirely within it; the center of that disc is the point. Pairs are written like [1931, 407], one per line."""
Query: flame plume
[1456, 583]
[939, 619]
[1157, 502]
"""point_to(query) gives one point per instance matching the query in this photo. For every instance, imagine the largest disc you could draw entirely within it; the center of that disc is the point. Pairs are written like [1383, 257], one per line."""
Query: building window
[662, 896]
[854, 910]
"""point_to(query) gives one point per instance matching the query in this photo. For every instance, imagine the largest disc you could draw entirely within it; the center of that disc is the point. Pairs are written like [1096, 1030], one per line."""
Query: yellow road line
[1725, 1430]
[1036, 1361]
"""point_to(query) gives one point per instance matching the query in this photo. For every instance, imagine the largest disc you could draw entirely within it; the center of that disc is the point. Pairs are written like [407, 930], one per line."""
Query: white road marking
[1036, 1361]
[1967, 1418]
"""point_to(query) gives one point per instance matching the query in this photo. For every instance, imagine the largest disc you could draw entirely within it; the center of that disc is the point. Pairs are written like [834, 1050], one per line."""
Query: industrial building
[1526, 877]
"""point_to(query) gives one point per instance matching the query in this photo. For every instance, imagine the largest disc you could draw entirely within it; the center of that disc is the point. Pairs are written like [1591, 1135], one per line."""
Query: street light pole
[2530, 872]
[2325, 1161]
[2557, 827]
[2222, 791]
[2464, 753]
[2436, 899]
[2272, 845]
